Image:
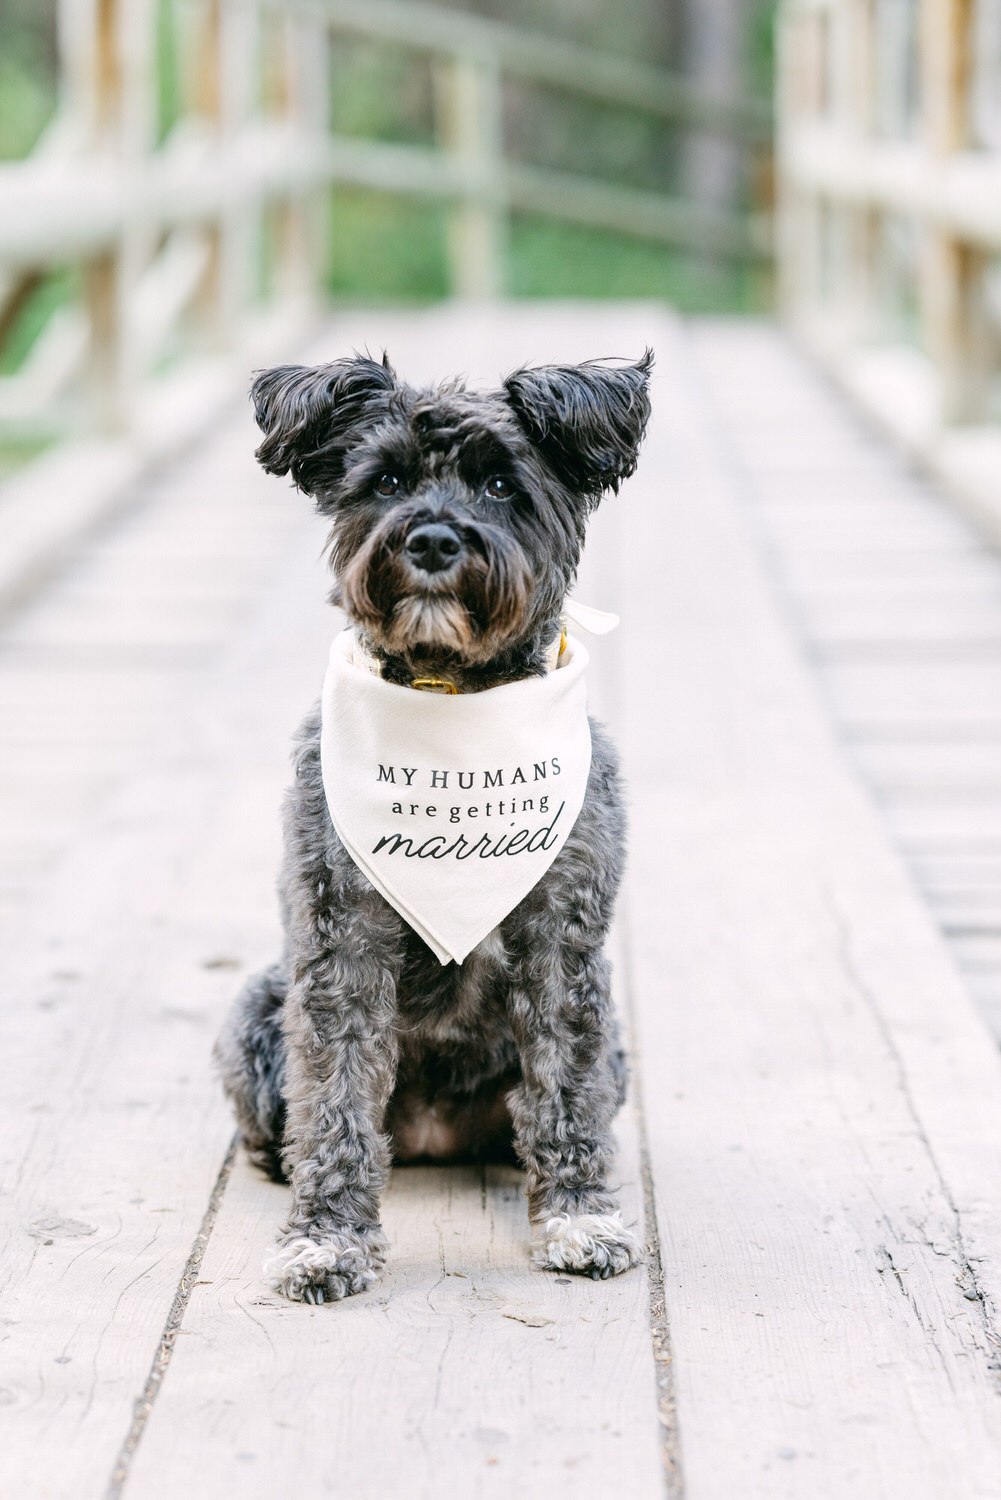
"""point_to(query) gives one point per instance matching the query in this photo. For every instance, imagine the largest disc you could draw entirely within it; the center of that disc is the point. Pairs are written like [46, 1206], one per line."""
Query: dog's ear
[307, 412]
[587, 420]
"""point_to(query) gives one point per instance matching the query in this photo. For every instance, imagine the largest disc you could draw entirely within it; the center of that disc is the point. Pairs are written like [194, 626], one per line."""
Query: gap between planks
[172, 1327]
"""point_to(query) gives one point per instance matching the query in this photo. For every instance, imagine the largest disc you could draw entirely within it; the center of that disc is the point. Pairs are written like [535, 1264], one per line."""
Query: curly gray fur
[358, 1047]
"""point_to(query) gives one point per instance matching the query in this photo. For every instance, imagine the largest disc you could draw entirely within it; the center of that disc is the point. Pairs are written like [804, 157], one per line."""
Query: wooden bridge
[806, 689]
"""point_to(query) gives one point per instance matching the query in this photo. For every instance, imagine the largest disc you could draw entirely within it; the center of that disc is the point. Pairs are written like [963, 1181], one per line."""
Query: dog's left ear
[587, 420]
[307, 413]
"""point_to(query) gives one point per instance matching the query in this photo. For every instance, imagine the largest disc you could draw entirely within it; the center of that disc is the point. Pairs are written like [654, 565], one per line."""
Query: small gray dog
[457, 524]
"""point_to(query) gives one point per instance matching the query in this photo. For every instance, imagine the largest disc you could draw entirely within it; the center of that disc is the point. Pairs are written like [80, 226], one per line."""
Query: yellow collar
[363, 657]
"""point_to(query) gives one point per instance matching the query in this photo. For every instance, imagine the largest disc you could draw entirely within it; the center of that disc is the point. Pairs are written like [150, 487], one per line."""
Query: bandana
[454, 806]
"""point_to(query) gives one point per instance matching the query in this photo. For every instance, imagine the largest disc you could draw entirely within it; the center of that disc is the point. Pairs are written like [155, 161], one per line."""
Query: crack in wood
[967, 1278]
[171, 1329]
[660, 1331]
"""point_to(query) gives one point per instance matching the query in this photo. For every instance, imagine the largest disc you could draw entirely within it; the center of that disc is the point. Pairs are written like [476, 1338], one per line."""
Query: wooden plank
[113, 1129]
[858, 523]
[462, 1373]
[909, 658]
[937, 768]
[936, 568]
[957, 694]
[932, 620]
[92, 673]
[823, 1104]
[944, 823]
[948, 871]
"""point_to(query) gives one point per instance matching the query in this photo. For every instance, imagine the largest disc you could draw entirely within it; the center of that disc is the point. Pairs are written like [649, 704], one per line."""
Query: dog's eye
[388, 485]
[499, 488]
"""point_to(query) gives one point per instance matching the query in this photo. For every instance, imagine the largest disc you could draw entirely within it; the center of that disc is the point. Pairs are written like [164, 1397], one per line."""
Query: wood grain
[823, 1103]
[113, 1129]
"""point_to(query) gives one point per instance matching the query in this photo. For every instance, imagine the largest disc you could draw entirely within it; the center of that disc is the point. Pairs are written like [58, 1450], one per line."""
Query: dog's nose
[433, 547]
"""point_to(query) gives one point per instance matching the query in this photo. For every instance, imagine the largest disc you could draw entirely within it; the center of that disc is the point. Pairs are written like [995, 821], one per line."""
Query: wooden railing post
[470, 127]
[949, 270]
[795, 227]
[304, 105]
[217, 69]
[240, 223]
[107, 56]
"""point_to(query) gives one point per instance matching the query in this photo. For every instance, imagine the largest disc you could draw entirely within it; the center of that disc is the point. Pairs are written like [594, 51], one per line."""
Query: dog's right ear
[307, 412]
[587, 420]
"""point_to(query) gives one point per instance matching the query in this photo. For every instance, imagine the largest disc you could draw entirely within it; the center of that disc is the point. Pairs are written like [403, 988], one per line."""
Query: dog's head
[458, 517]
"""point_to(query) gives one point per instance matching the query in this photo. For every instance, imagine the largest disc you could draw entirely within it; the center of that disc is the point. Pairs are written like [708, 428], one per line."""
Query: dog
[457, 521]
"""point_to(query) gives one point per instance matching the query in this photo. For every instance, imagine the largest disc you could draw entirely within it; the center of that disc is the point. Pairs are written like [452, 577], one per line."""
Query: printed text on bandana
[454, 805]
[524, 796]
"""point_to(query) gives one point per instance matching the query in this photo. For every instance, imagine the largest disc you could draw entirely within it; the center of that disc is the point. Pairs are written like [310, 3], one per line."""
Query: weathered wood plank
[824, 1106]
[944, 824]
[93, 672]
[113, 1130]
[462, 1373]
[942, 767]
[908, 657]
[869, 521]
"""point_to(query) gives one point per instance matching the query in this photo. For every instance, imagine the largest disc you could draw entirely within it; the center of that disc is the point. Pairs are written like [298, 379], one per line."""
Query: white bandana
[454, 806]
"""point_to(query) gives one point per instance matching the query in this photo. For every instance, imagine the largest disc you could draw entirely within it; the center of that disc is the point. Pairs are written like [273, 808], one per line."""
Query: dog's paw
[326, 1270]
[597, 1245]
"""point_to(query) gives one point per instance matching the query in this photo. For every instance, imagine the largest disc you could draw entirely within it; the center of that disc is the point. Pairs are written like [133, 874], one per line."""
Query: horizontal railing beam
[50, 217]
[653, 216]
[959, 193]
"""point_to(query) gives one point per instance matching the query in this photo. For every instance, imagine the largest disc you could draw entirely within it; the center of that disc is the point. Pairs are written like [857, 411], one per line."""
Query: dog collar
[596, 621]
[361, 656]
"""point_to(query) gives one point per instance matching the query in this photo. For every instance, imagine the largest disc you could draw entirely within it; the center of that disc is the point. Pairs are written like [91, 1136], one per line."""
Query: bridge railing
[201, 242]
[889, 232]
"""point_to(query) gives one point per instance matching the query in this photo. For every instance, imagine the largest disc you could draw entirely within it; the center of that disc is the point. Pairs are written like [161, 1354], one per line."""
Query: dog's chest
[460, 1005]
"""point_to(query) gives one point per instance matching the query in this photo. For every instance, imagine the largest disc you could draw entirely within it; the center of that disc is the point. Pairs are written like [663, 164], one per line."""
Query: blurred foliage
[28, 72]
[571, 134]
[384, 93]
[168, 70]
[392, 249]
[651, 29]
[50, 292]
[15, 451]
[386, 248]
[552, 259]
[760, 59]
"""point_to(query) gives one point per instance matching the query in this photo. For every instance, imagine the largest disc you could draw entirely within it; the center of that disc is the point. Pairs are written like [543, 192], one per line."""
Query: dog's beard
[473, 609]
[430, 620]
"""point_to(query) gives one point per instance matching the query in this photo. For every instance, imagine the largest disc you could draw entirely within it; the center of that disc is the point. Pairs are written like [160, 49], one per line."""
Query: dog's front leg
[339, 1076]
[563, 1109]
